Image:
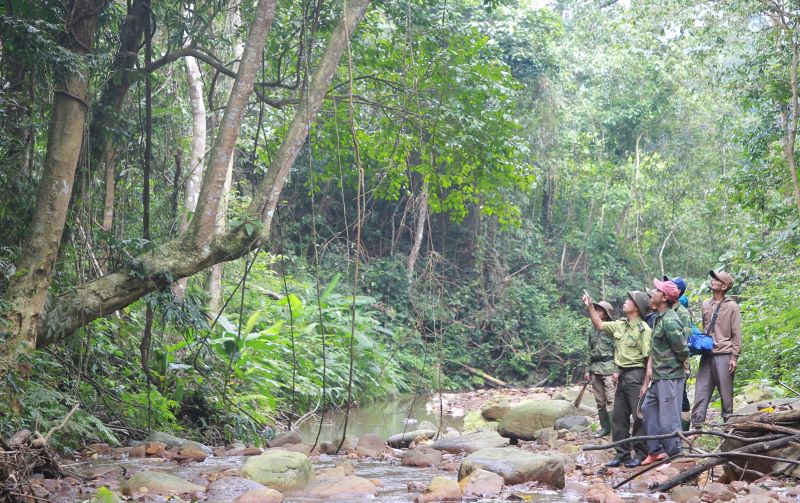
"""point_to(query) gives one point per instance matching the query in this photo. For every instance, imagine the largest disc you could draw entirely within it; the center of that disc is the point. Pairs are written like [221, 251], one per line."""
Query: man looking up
[668, 352]
[686, 319]
[632, 345]
[600, 368]
[722, 321]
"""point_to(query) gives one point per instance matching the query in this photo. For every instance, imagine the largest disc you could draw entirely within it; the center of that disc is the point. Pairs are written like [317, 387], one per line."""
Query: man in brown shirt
[718, 367]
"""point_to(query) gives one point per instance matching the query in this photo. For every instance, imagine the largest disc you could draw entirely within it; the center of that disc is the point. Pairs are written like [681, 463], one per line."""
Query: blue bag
[702, 343]
[699, 343]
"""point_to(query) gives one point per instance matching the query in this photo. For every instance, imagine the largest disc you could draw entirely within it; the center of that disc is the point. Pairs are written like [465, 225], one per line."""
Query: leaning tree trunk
[419, 232]
[29, 289]
[181, 257]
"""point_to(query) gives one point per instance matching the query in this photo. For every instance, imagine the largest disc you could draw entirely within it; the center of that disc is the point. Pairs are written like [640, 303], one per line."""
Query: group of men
[638, 365]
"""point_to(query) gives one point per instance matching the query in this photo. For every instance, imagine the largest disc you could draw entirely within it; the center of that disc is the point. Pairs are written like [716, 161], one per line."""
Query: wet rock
[152, 482]
[416, 486]
[171, 441]
[481, 483]
[377, 483]
[245, 451]
[229, 488]
[262, 495]
[99, 449]
[515, 466]
[441, 489]
[738, 485]
[421, 457]
[194, 451]
[426, 425]
[570, 422]
[717, 492]
[301, 448]
[601, 493]
[371, 445]
[348, 445]
[155, 448]
[494, 411]
[402, 440]
[290, 437]
[140, 451]
[470, 442]
[279, 469]
[548, 437]
[682, 494]
[524, 421]
[349, 488]
[758, 498]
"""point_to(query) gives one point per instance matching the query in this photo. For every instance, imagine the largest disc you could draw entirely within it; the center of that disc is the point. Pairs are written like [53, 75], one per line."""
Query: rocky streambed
[471, 462]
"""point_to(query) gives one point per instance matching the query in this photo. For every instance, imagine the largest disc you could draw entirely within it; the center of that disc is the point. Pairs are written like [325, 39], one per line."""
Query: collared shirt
[669, 349]
[727, 333]
[601, 353]
[632, 341]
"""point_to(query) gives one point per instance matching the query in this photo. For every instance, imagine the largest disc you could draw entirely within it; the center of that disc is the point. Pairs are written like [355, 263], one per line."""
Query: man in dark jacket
[668, 352]
[722, 321]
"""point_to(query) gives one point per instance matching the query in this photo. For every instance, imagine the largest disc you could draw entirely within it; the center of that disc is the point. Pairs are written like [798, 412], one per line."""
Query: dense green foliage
[541, 149]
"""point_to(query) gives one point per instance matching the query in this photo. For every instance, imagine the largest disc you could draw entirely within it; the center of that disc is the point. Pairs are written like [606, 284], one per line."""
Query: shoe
[616, 462]
[653, 458]
[633, 463]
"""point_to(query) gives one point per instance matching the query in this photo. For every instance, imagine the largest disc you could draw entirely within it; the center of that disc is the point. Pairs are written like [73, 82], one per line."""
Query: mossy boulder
[524, 421]
[281, 470]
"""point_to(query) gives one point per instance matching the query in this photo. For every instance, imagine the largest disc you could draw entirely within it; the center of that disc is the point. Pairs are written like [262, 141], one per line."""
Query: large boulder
[470, 442]
[153, 482]
[421, 456]
[402, 440]
[279, 469]
[524, 421]
[515, 466]
[574, 423]
[262, 495]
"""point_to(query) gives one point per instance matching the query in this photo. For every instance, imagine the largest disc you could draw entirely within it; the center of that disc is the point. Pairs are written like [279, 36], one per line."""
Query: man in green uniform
[632, 346]
[600, 368]
[668, 352]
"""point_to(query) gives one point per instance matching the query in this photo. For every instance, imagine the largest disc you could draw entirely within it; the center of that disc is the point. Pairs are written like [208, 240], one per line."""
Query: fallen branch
[649, 467]
[61, 424]
[485, 376]
[720, 458]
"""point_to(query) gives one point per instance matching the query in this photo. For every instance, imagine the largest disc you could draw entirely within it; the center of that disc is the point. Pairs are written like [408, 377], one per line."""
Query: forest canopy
[229, 214]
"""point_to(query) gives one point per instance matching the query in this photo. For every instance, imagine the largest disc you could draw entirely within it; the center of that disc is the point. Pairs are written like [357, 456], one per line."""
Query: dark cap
[641, 300]
[605, 306]
[723, 276]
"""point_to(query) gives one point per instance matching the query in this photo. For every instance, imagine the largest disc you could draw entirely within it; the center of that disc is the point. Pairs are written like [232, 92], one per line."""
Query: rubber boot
[605, 424]
[685, 425]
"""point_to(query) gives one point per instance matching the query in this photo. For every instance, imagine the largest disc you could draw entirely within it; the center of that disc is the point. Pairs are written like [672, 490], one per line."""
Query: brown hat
[641, 300]
[723, 276]
[605, 306]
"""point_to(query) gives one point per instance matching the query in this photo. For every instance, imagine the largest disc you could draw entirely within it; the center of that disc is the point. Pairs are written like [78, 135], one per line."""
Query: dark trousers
[626, 400]
[713, 373]
[662, 414]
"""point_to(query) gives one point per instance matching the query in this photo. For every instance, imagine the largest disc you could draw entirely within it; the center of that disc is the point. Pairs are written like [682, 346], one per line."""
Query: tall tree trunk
[419, 231]
[181, 257]
[214, 284]
[790, 125]
[28, 291]
[194, 179]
